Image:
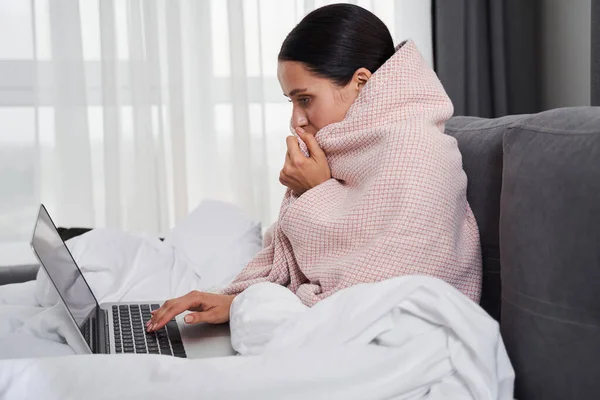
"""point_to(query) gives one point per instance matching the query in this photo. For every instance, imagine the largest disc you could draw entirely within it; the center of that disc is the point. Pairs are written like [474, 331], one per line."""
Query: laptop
[117, 328]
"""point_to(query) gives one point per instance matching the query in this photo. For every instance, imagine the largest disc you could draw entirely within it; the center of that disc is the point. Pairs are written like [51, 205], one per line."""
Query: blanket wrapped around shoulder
[396, 203]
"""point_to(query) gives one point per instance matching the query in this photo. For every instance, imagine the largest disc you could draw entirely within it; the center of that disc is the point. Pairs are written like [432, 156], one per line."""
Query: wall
[566, 44]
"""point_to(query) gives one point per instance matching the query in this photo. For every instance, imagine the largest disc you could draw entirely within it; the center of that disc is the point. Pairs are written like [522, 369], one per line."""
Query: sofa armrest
[17, 262]
[18, 273]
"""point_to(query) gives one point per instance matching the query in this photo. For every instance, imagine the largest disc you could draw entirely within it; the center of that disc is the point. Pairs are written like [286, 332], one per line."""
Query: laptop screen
[64, 273]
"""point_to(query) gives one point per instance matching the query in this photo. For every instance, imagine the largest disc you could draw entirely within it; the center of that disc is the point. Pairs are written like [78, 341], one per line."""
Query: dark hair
[335, 40]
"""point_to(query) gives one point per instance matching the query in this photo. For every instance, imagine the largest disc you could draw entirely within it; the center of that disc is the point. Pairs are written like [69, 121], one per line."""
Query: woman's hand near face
[301, 173]
[207, 307]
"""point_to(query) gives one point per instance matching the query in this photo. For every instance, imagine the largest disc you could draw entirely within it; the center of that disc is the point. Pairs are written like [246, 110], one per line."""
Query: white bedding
[204, 251]
[405, 338]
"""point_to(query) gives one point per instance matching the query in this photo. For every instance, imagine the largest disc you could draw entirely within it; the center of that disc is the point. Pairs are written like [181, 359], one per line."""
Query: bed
[409, 337]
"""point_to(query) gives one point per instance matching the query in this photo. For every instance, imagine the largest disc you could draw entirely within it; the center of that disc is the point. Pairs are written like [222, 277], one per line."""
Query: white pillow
[217, 240]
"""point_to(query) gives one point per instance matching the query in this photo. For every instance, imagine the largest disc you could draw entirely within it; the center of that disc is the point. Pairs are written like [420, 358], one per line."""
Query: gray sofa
[534, 186]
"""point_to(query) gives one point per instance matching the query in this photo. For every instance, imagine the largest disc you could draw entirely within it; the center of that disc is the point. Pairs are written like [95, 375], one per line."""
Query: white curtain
[127, 113]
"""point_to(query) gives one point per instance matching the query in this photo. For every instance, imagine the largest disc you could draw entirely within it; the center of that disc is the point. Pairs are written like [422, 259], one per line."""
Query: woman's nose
[299, 119]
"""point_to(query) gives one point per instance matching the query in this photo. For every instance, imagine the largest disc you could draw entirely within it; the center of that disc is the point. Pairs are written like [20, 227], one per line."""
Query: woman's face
[317, 101]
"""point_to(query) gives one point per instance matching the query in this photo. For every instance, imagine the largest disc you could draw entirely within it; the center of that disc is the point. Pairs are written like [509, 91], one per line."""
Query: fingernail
[188, 318]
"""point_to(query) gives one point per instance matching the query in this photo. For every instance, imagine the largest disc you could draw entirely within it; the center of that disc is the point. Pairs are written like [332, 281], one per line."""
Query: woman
[375, 188]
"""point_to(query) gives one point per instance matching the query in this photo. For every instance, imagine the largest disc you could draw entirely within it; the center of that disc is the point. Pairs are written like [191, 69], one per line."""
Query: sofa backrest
[480, 142]
[534, 186]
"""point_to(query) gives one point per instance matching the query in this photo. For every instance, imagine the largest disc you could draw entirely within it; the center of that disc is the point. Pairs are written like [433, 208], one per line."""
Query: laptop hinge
[101, 338]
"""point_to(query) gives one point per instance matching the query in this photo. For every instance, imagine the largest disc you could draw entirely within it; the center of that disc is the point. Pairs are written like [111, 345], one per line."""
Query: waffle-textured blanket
[396, 204]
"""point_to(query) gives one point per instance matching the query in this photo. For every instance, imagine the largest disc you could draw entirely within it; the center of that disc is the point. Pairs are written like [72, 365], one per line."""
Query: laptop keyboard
[85, 330]
[129, 323]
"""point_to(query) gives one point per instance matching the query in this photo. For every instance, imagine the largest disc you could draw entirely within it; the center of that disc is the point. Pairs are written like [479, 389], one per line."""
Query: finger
[287, 172]
[162, 314]
[314, 149]
[283, 179]
[170, 309]
[197, 317]
[151, 320]
[293, 147]
[166, 316]
[165, 307]
[156, 313]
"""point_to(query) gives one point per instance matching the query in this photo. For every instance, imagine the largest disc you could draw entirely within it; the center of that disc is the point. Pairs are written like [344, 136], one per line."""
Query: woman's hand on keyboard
[206, 307]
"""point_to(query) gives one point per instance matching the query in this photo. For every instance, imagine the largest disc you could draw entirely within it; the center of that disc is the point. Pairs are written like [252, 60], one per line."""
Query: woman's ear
[360, 78]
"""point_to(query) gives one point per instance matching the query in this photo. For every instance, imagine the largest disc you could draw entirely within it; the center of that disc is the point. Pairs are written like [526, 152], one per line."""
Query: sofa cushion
[550, 236]
[480, 142]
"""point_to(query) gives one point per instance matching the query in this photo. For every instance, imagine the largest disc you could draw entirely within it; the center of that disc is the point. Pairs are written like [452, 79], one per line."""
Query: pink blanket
[396, 204]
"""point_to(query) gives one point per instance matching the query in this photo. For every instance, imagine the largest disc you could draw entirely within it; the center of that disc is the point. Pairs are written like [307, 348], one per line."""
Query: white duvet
[409, 337]
[405, 338]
